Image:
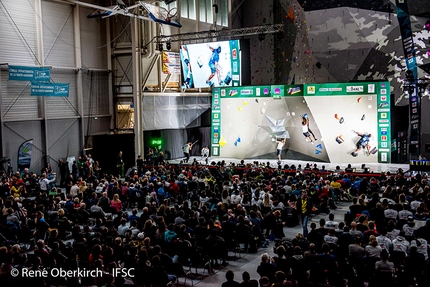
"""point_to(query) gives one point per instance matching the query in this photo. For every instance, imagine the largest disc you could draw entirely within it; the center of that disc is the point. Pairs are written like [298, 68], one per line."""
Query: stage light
[261, 37]
[121, 4]
[168, 45]
[427, 25]
[160, 47]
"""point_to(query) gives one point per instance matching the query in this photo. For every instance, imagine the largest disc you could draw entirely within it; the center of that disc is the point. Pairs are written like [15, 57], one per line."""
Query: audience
[159, 219]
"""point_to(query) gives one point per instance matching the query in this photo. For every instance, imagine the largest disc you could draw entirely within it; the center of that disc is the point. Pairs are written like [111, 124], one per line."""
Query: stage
[373, 167]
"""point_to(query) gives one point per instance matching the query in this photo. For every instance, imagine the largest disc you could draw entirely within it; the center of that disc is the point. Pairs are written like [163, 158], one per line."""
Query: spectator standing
[304, 208]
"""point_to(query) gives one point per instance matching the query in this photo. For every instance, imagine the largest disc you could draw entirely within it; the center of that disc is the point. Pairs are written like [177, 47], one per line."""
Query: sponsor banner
[411, 64]
[49, 90]
[171, 63]
[21, 73]
[339, 89]
[384, 121]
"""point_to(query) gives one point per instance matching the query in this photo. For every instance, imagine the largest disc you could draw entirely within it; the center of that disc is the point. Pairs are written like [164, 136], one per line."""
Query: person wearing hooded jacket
[400, 244]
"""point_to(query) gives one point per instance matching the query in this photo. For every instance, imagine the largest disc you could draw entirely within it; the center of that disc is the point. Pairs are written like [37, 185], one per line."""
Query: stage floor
[373, 167]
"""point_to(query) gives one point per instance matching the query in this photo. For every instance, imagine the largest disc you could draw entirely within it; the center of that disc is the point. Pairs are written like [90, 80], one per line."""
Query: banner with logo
[49, 90]
[21, 73]
[171, 63]
[411, 64]
[24, 154]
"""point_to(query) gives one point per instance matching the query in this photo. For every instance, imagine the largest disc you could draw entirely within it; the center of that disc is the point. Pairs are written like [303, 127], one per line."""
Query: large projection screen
[247, 121]
[213, 64]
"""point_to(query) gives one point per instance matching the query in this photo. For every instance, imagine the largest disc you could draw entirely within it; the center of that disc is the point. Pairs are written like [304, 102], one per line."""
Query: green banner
[235, 63]
[21, 73]
[339, 89]
[384, 121]
[49, 90]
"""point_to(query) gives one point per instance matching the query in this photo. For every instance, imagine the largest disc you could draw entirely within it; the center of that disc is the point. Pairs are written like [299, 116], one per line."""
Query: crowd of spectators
[157, 220]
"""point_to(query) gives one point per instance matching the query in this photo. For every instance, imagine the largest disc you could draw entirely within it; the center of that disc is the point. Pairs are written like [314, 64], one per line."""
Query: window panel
[184, 8]
[202, 10]
[192, 9]
[209, 11]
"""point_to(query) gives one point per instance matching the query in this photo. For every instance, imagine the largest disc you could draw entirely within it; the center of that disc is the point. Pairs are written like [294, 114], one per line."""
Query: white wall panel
[60, 107]
[15, 134]
[58, 38]
[18, 32]
[17, 102]
[93, 41]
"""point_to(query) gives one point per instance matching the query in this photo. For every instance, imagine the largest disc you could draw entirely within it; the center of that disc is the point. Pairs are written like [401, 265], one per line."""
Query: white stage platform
[373, 167]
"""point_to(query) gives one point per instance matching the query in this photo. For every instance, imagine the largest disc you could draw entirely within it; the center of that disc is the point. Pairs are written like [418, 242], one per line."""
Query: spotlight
[160, 47]
[168, 45]
[427, 25]
[261, 37]
[121, 4]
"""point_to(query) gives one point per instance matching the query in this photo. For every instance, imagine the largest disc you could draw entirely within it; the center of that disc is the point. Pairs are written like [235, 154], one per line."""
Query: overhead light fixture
[261, 37]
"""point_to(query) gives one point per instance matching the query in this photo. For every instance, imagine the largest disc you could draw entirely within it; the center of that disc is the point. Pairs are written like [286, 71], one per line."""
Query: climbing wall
[262, 58]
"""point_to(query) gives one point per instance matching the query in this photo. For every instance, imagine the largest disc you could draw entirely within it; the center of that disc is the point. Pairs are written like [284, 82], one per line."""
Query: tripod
[7, 172]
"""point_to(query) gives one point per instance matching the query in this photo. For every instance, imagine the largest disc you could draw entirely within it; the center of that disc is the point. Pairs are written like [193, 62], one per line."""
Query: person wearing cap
[139, 241]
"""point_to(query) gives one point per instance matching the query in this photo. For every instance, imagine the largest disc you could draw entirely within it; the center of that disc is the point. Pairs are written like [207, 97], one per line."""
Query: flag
[24, 154]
